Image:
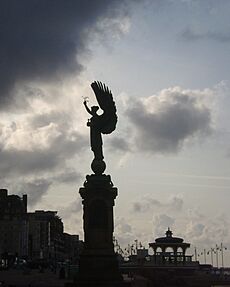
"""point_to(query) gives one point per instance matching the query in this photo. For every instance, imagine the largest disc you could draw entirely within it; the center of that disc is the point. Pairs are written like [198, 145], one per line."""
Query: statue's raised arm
[104, 123]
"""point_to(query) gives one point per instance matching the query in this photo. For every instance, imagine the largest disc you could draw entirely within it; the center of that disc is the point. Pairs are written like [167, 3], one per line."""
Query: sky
[167, 64]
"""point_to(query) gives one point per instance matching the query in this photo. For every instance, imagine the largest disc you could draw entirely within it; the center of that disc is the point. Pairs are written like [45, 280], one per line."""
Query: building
[171, 266]
[170, 250]
[13, 225]
[45, 236]
[33, 235]
[72, 247]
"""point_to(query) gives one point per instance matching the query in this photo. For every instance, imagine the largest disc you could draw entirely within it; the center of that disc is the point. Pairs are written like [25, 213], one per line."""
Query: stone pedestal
[98, 264]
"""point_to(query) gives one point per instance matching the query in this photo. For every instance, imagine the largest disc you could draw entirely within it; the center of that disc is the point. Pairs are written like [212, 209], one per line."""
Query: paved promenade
[30, 278]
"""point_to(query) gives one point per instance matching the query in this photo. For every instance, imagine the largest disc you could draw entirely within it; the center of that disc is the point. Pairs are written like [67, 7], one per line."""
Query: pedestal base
[98, 265]
[99, 270]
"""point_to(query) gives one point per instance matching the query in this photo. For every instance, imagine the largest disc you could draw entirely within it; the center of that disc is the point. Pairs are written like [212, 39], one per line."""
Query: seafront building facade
[45, 235]
[35, 235]
[13, 224]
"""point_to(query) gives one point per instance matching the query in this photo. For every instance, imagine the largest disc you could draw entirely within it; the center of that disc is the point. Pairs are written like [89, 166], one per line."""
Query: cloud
[36, 147]
[71, 209]
[72, 217]
[42, 139]
[44, 41]
[163, 214]
[190, 34]
[165, 122]
[68, 176]
[118, 143]
[123, 231]
[195, 230]
[42, 53]
[207, 231]
[22, 155]
[35, 189]
[147, 203]
[202, 230]
[177, 203]
[48, 163]
[161, 223]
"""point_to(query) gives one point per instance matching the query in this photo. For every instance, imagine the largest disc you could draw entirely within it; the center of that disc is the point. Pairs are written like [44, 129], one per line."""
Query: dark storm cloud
[42, 39]
[178, 116]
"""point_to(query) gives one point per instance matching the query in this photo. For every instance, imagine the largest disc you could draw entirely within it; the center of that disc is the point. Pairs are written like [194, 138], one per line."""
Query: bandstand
[172, 250]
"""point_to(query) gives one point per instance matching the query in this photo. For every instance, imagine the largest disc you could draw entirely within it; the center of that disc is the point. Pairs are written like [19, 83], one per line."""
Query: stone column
[184, 250]
[98, 264]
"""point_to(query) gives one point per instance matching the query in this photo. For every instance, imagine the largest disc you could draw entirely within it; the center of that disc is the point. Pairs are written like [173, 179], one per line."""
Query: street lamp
[222, 248]
[211, 252]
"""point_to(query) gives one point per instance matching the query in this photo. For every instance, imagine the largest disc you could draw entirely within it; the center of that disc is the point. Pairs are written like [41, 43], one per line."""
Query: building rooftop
[169, 238]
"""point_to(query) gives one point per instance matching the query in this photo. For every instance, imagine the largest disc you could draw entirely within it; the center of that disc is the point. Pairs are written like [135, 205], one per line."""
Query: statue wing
[105, 100]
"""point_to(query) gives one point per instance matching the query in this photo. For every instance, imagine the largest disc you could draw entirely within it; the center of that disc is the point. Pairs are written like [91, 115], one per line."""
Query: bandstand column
[175, 253]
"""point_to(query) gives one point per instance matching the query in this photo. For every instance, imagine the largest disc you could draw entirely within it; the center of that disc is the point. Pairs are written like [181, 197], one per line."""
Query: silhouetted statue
[98, 264]
[105, 123]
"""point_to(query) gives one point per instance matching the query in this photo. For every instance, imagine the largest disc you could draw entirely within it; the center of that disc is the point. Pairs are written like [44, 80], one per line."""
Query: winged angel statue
[104, 123]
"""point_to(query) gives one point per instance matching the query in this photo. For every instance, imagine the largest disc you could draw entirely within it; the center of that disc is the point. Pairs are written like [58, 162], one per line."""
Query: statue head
[94, 109]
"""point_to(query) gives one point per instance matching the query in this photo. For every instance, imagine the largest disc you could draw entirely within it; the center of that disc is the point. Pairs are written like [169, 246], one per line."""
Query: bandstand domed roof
[169, 238]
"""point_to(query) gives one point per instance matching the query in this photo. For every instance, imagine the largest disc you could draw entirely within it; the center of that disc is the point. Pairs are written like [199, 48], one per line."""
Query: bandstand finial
[168, 233]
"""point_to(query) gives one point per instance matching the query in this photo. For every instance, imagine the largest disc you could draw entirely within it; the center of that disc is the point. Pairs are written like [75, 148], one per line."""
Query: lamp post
[222, 253]
[204, 253]
[211, 252]
[217, 254]
[222, 248]
[195, 254]
[204, 256]
[212, 255]
[136, 243]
